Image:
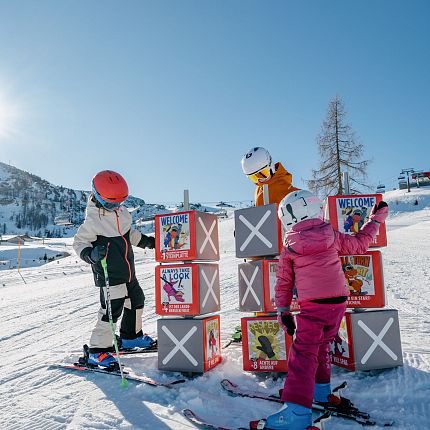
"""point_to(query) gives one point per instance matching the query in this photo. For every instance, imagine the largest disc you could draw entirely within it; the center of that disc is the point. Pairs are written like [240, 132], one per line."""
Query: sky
[172, 94]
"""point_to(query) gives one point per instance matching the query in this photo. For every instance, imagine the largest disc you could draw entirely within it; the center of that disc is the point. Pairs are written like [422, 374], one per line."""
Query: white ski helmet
[299, 206]
[257, 164]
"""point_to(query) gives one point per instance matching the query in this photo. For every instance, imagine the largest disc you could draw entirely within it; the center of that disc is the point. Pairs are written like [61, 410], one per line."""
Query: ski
[253, 425]
[127, 375]
[203, 424]
[350, 413]
[137, 350]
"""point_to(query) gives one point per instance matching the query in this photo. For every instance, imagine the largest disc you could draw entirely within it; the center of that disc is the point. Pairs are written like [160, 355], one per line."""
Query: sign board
[265, 345]
[184, 236]
[349, 213]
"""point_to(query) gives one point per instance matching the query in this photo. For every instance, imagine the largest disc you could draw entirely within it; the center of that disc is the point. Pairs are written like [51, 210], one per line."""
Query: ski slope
[48, 319]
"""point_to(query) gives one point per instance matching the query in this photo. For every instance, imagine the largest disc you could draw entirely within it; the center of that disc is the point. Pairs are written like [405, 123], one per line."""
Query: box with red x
[189, 345]
[183, 236]
[368, 340]
[265, 345]
[187, 289]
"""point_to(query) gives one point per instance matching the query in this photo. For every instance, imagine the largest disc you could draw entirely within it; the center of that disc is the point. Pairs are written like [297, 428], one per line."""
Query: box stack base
[190, 345]
[368, 340]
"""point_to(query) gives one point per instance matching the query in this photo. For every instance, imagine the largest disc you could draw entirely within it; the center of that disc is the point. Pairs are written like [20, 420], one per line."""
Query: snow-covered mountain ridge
[32, 205]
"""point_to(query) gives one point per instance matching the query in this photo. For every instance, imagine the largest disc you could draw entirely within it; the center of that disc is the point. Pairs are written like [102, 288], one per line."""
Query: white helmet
[299, 206]
[258, 162]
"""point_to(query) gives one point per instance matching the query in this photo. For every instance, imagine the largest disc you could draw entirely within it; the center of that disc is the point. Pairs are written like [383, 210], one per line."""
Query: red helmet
[109, 187]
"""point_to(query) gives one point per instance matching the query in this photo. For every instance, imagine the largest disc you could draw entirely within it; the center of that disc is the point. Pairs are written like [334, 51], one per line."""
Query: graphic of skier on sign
[213, 346]
[310, 262]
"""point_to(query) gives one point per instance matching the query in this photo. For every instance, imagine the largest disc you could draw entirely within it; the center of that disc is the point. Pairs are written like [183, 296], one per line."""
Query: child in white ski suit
[106, 232]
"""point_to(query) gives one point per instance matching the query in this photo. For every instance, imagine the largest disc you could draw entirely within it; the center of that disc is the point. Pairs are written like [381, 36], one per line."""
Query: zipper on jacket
[126, 246]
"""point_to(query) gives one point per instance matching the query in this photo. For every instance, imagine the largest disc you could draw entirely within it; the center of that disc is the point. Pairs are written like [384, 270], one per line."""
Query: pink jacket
[310, 260]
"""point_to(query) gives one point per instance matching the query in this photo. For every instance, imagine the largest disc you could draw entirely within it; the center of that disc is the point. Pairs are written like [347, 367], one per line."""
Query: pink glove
[379, 212]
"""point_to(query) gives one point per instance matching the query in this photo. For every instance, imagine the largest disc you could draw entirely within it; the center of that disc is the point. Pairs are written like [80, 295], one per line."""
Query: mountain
[32, 205]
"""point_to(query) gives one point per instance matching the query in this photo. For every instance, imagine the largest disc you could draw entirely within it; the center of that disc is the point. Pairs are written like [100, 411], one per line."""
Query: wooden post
[186, 200]
[265, 194]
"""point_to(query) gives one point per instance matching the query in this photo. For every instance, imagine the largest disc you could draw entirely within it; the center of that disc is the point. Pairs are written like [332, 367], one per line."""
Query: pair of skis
[326, 411]
[82, 366]
[129, 375]
[254, 425]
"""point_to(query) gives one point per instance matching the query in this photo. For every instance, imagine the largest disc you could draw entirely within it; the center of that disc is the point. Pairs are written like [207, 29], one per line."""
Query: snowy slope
[49, 318]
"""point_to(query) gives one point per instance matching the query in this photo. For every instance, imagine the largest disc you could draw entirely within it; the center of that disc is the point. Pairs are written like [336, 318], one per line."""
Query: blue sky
[172, 93]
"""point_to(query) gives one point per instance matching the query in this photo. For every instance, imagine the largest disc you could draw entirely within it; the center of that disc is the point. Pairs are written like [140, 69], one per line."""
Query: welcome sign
[349, 213]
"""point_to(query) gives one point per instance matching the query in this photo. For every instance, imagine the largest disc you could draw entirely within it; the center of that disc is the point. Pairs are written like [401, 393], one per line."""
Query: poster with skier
[364, 279]
[265, 345]
[348, 213]
[212, 342]
[175, 293]
[269, 283]
[341, 347]
[174, 242]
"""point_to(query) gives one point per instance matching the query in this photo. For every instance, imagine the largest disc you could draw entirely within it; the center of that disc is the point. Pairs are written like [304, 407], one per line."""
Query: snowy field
[48, 319]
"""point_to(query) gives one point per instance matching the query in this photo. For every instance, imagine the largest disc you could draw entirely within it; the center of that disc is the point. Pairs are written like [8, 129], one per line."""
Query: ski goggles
[110, 206]
[261, 175]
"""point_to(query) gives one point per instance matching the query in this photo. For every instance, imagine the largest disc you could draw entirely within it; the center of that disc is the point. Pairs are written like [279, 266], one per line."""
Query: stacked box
[187, 287]
[189, 345]
[258, 236]
[369, 339]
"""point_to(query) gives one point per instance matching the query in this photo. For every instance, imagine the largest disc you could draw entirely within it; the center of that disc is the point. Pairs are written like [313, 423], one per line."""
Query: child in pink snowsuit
[310, 262]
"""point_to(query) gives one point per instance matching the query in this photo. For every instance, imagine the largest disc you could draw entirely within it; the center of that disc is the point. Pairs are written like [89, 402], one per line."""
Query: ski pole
[109, 308]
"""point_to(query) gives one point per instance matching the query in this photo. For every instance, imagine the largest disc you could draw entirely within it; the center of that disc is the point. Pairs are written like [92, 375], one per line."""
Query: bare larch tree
[339, 152]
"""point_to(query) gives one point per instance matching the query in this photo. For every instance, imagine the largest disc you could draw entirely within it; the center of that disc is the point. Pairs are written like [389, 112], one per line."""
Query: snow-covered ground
[47, 320]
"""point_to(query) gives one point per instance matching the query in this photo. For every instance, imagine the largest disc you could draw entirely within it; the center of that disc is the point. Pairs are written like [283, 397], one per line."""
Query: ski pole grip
[103, 261]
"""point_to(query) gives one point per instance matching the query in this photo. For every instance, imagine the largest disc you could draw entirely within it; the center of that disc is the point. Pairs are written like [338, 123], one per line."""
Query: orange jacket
[280, 184]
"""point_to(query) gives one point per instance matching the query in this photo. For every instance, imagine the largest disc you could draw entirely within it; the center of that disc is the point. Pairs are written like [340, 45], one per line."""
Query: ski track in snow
[48, 319]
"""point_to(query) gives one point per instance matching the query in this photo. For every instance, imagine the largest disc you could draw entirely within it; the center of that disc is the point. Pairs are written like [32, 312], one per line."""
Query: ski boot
[324, 396]
[143, 342]
[103, 360]
[290, 417]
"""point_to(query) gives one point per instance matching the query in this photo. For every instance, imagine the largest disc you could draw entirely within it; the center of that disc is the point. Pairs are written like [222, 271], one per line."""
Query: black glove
[380, 205]
[98, 253]
[146, 242]
[286, 321]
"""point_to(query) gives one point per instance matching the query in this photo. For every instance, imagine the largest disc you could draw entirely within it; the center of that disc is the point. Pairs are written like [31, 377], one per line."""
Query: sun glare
[9, 115]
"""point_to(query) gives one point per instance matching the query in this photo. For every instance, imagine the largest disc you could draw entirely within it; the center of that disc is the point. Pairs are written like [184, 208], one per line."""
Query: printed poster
[363, 277]
[175, 290]
[349, 213]
[272, 267]
[212, 343]
[173, 236]
[340, 347]
[266, 345]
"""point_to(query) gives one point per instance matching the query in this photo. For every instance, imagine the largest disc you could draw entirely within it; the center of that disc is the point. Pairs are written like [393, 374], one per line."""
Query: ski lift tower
[407, 172]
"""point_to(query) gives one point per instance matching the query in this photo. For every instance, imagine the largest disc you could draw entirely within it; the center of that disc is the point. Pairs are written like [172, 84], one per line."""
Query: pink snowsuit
[310, 262]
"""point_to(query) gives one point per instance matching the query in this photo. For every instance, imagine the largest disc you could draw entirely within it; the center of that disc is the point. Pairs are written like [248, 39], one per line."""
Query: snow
[47, 319]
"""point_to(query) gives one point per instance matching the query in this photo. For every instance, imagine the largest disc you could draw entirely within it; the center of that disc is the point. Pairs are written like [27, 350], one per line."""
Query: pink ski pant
[309, 359]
